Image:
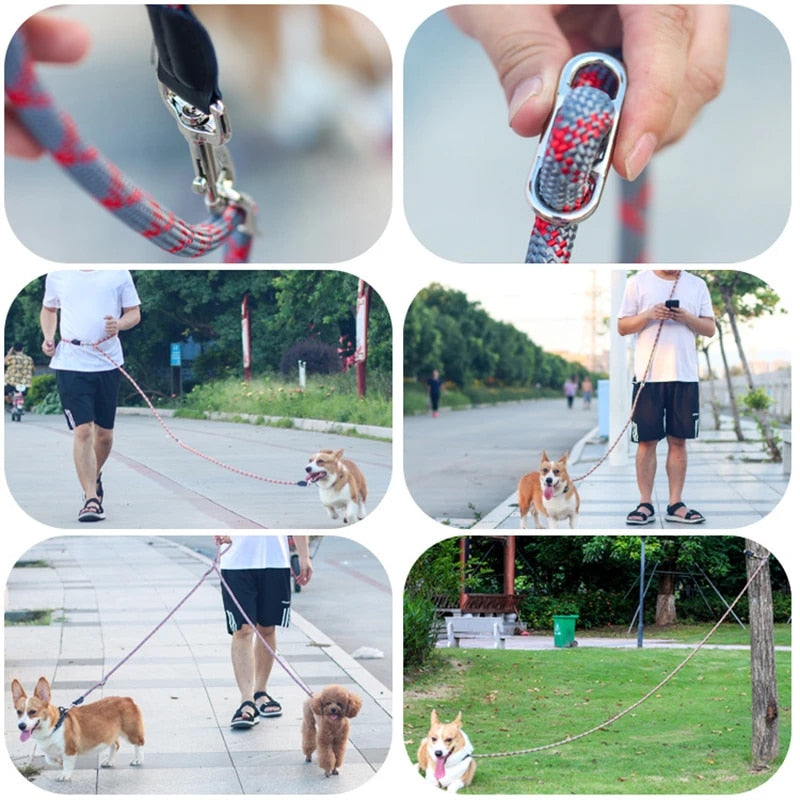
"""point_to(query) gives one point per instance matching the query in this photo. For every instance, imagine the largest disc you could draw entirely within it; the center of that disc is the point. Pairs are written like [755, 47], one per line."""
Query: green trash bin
[564, 629]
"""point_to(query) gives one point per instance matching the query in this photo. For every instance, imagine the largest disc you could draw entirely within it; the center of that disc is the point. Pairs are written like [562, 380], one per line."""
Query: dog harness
[574, 154]
[187, 75]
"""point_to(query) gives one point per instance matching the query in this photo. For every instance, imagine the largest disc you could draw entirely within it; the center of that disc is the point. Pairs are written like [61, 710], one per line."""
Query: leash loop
[574, 154]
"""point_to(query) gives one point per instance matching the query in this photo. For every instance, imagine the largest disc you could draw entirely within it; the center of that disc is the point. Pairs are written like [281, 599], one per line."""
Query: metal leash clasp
[207, 135]
[599, 171]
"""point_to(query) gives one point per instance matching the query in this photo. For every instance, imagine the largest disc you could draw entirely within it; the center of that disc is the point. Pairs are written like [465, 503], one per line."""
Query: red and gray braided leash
[96, 347]
[229, 224]
[574, 154]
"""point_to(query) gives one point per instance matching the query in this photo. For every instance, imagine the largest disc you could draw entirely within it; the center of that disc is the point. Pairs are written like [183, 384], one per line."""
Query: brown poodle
[326, 726]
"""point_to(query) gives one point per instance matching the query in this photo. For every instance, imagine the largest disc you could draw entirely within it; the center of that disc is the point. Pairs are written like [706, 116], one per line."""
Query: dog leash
[187, 74]
[639, 390]
[214, 568]
[570, 739]
[574, 154]
[172, 435]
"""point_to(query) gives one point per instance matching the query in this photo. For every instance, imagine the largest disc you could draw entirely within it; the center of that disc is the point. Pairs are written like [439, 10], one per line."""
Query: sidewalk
[726, 481]
[107, 594]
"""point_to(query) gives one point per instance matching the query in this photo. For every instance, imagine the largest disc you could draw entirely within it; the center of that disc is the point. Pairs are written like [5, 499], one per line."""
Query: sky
[557, 318]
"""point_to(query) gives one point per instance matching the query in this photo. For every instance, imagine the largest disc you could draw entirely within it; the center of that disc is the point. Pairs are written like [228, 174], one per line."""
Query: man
[89, 308]
[18, 369]
[668, 404]
[257, 571]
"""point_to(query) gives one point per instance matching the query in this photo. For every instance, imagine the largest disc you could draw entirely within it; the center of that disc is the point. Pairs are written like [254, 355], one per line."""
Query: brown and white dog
[445, 755]
[326, 726]
[342, 486]
[548, 492]
[64, 734]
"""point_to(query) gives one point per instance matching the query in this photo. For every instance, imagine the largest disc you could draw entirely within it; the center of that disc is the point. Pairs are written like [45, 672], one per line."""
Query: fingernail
[530, 87]
[639, 155]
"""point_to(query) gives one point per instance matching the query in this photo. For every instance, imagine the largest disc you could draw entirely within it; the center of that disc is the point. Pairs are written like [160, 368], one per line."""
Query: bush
[41, 386]
[320, 358]
[419, 615]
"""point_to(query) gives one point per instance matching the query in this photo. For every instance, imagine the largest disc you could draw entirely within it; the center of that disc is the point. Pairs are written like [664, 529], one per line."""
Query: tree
[764, 682]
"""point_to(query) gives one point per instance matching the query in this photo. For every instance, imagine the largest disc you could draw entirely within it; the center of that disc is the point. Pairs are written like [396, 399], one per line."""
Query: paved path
[152, 482]
[107, 594]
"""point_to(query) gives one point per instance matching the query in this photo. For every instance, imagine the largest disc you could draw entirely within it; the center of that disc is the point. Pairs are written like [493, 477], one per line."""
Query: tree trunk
[737, 425]
[764, 745]
[665, 601]
[714, 403]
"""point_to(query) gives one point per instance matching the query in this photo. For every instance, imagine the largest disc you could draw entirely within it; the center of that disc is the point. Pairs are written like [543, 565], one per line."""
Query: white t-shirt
[256, 552]
[675, 357]
[85, 298]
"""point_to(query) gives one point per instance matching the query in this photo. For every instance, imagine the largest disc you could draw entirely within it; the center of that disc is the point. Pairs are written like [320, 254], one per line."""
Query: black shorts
[89, 396]
[670, 408]
[265, 595]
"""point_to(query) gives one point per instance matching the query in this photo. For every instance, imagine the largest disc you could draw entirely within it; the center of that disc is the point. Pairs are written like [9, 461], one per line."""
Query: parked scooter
[18, 402]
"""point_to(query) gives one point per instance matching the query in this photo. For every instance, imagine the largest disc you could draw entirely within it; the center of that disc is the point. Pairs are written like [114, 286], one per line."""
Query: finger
[55, 39]
[705, 69]
[17, 140]
[655, 47]
[528, 50]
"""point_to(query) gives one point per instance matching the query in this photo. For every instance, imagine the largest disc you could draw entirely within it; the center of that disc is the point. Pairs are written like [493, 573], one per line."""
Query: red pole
[248, 373]
[362, 325]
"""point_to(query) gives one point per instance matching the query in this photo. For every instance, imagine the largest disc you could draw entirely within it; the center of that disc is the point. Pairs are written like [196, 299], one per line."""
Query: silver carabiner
[599, 171]
[207, 136]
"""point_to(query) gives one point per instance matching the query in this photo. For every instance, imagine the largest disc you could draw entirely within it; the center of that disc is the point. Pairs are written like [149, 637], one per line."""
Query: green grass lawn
[692, 737]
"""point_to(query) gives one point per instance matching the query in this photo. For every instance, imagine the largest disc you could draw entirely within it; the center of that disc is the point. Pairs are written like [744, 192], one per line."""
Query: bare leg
[83, 454]
[242, 660]
[677, 460]
[646, 470]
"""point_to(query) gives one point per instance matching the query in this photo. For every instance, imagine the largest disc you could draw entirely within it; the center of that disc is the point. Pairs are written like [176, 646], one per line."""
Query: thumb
[528, 51]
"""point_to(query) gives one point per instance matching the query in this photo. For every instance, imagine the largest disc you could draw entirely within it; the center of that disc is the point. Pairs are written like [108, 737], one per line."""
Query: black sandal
[637, 517]
[270, 707]
[99, 487]
[92, 511]
[691, 517]
[244, 718]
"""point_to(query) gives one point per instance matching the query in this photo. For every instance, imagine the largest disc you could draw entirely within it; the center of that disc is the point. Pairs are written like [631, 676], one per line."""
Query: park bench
[475, 628]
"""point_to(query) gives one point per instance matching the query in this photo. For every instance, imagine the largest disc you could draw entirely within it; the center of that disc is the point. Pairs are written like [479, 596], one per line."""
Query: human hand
[50, 39]
[674, 56]
[110, 326]
[48, 347]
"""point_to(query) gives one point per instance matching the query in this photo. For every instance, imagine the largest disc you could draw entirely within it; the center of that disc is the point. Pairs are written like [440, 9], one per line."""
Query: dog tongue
[548, 492]
[24, 736]
[438, 773]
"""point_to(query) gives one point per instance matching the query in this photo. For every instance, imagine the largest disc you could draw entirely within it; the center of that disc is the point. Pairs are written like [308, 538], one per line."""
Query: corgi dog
[445, 755]
[342, 486]
[64, 734]
[548, 492]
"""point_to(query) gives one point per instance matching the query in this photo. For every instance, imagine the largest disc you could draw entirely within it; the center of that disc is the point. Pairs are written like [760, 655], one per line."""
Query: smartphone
[673, 304]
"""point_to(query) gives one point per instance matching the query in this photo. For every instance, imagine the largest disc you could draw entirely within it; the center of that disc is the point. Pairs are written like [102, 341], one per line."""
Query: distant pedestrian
[89, 308]
[257, 569]
[435, 391]
[668, 308]
[571, 389]
[587, 390]
[18, 370]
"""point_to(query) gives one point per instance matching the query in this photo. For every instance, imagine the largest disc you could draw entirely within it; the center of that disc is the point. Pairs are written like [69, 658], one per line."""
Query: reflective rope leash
[175, 438]
[214, 568]
[184, 49]
[644, 698]
[574, 154]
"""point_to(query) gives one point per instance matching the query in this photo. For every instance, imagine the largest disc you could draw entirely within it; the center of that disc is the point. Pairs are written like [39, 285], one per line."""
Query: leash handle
[574, 154]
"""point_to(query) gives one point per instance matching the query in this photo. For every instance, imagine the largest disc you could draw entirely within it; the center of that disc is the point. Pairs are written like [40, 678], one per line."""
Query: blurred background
[308, 91]
[722, 194]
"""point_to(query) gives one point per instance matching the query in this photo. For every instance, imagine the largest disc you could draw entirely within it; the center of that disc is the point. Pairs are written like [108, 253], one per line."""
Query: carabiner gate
[599, 171]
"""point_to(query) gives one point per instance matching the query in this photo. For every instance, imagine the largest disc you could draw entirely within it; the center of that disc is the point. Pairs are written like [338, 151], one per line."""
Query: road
[358, 620]
[151, 481]
[464, 463]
